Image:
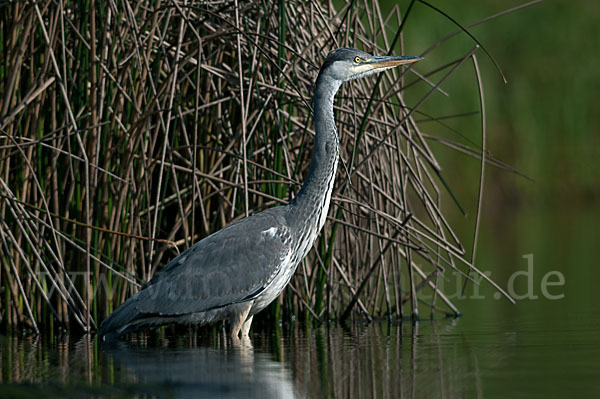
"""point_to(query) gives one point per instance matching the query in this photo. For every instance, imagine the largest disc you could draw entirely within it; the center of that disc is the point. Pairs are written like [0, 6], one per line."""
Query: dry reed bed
[130, 130]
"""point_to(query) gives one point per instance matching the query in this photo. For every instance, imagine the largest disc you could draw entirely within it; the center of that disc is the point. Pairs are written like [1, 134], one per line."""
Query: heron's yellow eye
[357, 59]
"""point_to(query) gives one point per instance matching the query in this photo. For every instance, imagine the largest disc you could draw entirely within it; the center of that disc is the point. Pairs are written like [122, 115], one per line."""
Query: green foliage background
[545, 120]
[546, 123]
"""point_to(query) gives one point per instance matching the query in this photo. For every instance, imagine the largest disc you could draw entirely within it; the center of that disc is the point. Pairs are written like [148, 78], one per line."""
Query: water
[476, 357]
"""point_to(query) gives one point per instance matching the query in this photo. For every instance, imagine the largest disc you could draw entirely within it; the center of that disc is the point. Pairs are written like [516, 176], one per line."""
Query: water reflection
[384, 361]
[375, 360]
[234, 371]
[445, 358]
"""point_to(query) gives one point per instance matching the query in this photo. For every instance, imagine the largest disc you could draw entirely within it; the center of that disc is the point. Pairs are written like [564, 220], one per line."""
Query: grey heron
[237, 271]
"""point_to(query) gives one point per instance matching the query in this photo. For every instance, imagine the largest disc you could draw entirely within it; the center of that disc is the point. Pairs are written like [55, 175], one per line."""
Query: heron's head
[346, 64]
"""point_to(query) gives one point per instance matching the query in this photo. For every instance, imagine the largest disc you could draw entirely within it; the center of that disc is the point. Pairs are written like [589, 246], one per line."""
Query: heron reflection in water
[236, 272]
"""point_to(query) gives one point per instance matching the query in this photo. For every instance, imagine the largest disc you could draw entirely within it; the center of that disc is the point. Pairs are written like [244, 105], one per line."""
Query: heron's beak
[392, 61]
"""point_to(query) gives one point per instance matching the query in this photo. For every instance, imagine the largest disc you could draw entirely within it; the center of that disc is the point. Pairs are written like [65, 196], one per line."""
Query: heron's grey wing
[230, 266]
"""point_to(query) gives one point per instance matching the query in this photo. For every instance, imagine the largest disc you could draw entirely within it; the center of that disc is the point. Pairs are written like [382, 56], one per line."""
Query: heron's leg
[239, 316]
[246, 326]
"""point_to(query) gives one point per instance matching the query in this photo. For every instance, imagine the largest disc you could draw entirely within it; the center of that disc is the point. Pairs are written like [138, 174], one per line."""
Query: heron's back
[236, 264]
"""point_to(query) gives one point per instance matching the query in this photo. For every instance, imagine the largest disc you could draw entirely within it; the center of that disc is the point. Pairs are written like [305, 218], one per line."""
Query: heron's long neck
[312, 202]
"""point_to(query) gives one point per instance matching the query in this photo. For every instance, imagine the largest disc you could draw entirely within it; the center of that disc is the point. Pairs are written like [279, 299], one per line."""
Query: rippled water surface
[445, 358]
